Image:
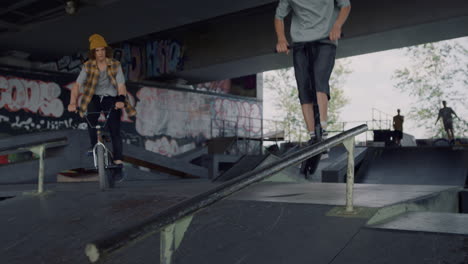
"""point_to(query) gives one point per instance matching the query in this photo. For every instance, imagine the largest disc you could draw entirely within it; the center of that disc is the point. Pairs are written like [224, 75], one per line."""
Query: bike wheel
[109, 171]
[103, 182]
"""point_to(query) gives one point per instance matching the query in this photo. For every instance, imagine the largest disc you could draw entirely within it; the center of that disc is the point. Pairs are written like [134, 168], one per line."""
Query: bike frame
[100, 151]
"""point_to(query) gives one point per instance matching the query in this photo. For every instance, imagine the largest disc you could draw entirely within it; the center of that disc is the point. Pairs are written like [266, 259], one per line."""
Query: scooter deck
[309, 166]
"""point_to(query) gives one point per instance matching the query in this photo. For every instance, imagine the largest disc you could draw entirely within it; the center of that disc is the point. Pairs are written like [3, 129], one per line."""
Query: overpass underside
[243, 43]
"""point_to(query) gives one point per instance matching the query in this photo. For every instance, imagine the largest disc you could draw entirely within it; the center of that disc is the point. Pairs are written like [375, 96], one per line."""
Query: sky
[370, 86]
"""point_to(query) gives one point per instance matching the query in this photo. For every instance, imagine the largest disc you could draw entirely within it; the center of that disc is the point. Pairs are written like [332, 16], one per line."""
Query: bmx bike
[102, 156]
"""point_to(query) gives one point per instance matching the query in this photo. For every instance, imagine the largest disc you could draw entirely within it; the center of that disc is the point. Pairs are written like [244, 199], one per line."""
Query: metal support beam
[39, 16]
[171, 237]
[19, 13]
[8, 25]
[17, 5]
[39, 150]
[349, 145]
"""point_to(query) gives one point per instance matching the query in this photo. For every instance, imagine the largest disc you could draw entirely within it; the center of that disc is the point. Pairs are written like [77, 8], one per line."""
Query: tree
[283, 84]
[338, 98]
[436, 73]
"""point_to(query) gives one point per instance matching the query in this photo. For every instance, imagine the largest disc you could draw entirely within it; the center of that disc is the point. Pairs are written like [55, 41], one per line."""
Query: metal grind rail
[37, 148]
[174, 221]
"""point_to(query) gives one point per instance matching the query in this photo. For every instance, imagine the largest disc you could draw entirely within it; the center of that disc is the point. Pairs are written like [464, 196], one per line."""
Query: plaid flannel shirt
[92, 78]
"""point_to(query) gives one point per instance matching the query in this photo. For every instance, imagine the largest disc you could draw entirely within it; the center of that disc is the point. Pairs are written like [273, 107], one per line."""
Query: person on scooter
[315, 30]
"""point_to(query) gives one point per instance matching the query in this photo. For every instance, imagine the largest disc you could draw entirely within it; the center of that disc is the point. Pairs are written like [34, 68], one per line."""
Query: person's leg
[93, 106]
[450, 134]
[324, 61]
[449, 130]
[113, 124]
[322, 99]
[308, 113]
[302, 74]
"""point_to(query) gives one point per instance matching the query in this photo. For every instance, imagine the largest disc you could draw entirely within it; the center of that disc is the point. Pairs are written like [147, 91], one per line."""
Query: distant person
[446, 114]
[398, 127]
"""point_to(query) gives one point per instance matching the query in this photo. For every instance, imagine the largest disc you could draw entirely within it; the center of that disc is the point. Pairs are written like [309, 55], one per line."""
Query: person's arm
[335, 33]
[282, 45]
[73, 97]
[121, 89]
[453, 112]
[282, 11]
[438, 117]
[76, 90]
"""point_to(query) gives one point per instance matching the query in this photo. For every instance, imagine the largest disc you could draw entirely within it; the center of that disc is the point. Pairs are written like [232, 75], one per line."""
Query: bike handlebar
[106, 116]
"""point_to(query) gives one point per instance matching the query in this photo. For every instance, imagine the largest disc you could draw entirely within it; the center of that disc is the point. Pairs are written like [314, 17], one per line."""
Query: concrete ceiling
[225, 39]
[42, 27]
[372, 26]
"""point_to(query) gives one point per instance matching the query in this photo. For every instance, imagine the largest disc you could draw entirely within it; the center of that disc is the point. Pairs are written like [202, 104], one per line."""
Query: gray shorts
[313, 65]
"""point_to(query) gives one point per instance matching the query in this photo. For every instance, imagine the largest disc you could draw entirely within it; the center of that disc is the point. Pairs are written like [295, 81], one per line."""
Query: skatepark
[203, 182]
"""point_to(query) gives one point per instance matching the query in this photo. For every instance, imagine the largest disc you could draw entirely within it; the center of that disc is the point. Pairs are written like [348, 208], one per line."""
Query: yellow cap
[97, 41]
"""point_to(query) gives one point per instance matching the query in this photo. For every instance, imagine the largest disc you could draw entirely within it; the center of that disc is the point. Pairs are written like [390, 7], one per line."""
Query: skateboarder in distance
[446, 114]
[398, 128]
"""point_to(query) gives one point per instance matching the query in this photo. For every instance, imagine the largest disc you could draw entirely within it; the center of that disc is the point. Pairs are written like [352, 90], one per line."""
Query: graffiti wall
[68, 64]
[193, 116]
[163, 57]
[168, 122]
[33, 103]
[243, 86]
[154, 59]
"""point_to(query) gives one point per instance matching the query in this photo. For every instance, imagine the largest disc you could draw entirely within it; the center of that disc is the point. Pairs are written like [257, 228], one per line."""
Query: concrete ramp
[332, 169]
[415, 165]
[337, 166]
[173, 166]
[289, 174]
[245, 164]
[250, 162]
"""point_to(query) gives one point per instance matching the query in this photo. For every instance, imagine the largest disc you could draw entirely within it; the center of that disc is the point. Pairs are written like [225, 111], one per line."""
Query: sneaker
[324, 134]
[324, 137]
[118, 173]
[312, 141]
[305, 165]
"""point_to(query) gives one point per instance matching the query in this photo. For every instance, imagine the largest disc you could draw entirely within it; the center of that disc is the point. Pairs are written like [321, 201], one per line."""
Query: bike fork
[99, 161]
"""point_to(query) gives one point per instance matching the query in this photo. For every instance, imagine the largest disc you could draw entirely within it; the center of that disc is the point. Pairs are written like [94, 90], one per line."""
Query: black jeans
[106, 103]
[313, 65]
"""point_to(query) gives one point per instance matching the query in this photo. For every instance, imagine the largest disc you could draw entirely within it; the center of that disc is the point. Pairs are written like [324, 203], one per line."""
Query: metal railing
[245, 129]
[248, 133]
[175, 220]
[301, 134]
[385, 123]
[37, 148]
